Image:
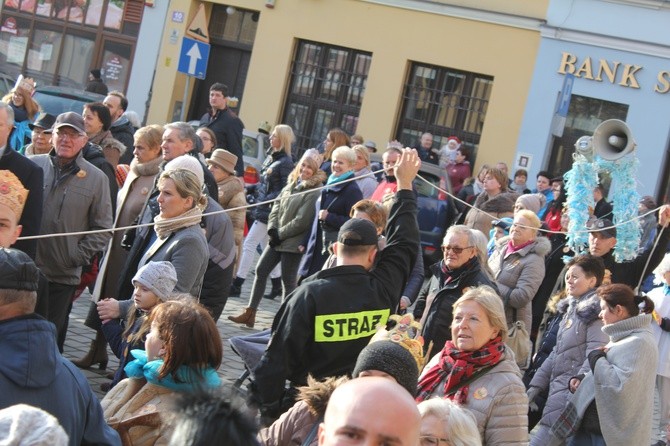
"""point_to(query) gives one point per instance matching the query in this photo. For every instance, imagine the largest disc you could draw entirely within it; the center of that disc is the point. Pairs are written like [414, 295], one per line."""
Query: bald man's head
[370, 410]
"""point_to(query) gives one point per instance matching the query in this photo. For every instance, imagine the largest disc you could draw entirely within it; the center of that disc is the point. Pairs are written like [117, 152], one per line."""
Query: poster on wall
[16, 50]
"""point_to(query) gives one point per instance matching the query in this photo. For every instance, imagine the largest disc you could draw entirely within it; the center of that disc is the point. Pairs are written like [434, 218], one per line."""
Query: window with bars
[326, 90]
[445, 102]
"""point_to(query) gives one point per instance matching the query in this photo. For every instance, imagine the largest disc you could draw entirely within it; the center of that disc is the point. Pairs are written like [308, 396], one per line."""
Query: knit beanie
[26, 425]
[189, 163]
[532, 202]
[392, 358]
[159, 277]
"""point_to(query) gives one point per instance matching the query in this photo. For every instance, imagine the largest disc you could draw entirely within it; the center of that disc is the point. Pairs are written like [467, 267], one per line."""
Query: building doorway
[232, 32]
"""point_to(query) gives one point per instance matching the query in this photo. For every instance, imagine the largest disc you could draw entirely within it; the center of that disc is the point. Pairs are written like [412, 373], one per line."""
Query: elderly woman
[97, 121]
[518, 265]
[443, 421]
[25, 109]
[579, 333]
[476, 370]
[495, 202]
[366, 182]
[614, 402]
[289, 222]
[274, 175]
[131, 198]
[231, 191]
[181, 354]
[333, 209]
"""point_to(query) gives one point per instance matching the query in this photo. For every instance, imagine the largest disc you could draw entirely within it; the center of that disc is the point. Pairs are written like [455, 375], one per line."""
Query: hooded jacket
[123, 131]
[579, 332]
[519, 275]
[293, 215]
[33, 372]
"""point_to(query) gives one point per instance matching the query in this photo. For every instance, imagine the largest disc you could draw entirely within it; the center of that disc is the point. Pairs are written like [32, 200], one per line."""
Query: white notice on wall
[46, 51]
[16, 50]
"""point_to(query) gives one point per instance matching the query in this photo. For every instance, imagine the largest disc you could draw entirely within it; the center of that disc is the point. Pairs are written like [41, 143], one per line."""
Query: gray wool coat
[579, 333]
[518, 276]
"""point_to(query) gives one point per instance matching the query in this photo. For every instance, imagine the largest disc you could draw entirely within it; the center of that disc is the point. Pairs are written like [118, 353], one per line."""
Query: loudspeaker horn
[613, 139]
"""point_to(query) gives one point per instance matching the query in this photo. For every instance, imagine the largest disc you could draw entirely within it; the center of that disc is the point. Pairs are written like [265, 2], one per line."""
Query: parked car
[57, 100]
[255, 147]
[6, 84]
[254, 150]
[436, 210]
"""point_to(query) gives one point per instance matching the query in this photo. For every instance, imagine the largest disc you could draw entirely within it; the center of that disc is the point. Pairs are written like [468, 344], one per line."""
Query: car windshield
[56, 104]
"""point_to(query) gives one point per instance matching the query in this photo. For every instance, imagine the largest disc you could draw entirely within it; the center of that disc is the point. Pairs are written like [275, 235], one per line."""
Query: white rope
[249, 206]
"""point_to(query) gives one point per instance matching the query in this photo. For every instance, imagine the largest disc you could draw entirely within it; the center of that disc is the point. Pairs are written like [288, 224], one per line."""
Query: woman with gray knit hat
[385, 358]
[154, 284]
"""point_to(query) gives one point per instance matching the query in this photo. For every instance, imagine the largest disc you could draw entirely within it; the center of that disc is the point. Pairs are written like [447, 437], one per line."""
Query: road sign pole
[183, 101]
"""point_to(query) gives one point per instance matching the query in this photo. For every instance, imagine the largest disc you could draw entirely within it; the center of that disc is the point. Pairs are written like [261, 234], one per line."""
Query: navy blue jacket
[33, 372]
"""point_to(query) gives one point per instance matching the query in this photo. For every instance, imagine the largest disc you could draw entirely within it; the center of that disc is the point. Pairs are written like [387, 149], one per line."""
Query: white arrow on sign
[194, 56]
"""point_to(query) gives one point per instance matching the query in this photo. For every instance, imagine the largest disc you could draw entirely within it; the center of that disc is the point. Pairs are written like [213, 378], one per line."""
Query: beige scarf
[165, 226]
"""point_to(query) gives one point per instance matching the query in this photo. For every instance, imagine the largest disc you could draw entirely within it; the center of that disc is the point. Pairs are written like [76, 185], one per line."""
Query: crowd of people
[500, 342]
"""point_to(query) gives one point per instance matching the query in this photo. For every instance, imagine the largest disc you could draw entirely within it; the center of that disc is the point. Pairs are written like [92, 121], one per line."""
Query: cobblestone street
[79, 336]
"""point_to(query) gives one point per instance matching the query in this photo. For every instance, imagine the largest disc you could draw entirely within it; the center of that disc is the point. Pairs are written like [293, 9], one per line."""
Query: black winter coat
[124, 132]
[32, 178]
[435, 304]
[94, 155]
[274, 175]
[227, 127]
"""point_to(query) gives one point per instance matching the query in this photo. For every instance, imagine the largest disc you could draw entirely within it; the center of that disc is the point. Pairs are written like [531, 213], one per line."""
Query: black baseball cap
[357, 232]
[609, 230]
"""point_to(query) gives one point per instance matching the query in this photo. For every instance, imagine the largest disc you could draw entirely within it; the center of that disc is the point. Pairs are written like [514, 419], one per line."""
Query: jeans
[289, 273]
[258, 234]
[586, 439]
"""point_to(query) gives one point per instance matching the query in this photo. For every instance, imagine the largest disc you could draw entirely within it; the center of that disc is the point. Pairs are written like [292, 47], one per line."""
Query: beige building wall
[395, 36]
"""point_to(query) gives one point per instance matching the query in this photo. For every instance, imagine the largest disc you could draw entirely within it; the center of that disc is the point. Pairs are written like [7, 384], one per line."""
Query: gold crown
[406, 333]
[12, 192]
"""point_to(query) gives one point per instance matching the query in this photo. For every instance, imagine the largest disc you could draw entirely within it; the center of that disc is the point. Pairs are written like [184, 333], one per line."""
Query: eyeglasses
[68, 135]
[429, 440]
[455, 249]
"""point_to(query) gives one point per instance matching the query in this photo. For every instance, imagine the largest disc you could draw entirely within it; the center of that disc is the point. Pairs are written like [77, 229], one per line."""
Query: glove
[594, 356]
[665, 324]
[273, 233]
[532, 393]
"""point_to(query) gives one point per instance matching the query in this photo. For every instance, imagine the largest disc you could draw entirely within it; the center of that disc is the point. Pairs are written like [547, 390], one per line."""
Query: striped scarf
[456, 366]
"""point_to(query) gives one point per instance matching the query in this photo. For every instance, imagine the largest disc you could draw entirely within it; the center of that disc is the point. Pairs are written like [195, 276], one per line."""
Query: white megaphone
[612, 140]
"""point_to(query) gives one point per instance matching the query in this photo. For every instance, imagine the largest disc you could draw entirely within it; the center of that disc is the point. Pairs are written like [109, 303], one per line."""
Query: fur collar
[316, 180]
[588, 306]
[317, 393]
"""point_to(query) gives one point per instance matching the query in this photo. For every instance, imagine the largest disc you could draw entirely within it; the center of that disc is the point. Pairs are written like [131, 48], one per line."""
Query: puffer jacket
[292, 216]
[498, 401]
[578, 334]
[502, 205]
[518, 276]
[274, 175]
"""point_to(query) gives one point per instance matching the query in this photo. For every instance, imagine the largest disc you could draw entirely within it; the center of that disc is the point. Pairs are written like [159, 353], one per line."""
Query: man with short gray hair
[76, 200]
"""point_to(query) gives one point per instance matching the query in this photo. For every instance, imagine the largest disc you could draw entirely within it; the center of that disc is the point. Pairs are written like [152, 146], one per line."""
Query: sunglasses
[456, 250]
